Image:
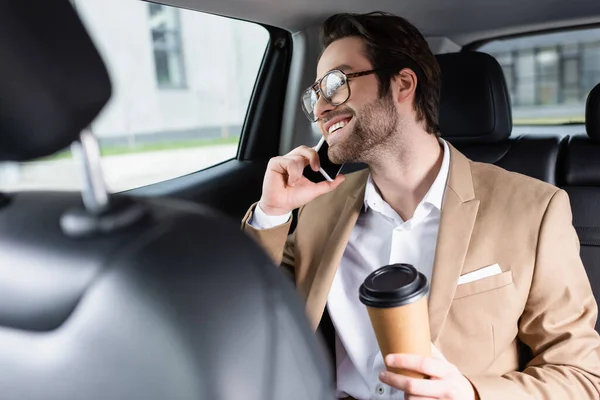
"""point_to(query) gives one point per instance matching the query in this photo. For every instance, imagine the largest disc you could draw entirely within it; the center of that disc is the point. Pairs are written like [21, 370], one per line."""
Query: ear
[404, 85]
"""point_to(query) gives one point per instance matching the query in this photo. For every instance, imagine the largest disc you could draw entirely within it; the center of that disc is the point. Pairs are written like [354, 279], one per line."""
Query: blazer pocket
[484, 285]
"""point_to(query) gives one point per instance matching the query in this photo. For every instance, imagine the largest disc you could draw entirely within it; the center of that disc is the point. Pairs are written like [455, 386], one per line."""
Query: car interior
[152, 291]
[115, 297]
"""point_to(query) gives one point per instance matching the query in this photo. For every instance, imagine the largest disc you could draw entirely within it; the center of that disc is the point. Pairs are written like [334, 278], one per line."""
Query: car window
[549, 75]
[182, 82]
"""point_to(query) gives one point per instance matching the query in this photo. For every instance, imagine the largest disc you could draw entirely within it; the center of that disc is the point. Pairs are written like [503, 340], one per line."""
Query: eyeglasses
[333, 87]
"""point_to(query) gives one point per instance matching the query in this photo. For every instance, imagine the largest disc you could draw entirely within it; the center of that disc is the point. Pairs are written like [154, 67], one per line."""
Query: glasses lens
[334, 87]
[309, 99]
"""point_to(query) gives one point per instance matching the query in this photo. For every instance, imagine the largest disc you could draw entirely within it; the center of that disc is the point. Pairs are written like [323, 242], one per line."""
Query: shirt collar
[434, 196]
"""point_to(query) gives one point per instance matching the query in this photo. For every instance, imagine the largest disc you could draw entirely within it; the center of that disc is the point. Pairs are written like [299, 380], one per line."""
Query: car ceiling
[462, 21]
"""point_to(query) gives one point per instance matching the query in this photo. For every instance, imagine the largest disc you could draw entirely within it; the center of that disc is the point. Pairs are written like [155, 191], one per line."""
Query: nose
[322, 107]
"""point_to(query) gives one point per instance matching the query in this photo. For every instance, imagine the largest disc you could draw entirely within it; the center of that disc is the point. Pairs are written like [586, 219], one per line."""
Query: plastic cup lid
[392, 286]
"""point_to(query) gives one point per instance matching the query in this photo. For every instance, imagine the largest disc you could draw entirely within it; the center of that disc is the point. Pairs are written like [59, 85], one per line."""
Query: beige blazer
[542, 299]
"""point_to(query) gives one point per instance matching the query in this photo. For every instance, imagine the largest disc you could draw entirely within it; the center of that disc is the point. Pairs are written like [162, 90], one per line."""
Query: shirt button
[380, 389]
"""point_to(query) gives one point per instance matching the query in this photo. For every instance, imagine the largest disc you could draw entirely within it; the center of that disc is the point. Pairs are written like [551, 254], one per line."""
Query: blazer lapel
[335, 245]
[459, 211]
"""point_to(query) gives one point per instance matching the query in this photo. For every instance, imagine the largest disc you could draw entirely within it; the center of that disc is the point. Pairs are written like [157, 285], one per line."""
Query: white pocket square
[481, 273]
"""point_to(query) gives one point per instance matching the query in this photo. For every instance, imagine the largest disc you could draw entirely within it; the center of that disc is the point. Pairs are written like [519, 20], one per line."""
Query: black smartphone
[328, 169]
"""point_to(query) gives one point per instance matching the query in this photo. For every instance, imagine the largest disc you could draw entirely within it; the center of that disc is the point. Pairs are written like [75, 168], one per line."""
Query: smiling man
[422, 202]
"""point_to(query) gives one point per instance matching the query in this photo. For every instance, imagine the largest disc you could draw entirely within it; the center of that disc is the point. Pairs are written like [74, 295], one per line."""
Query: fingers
[297, 164]
[293, 164]
[428, 366]
[309, 154]
[291, 167]
[446, 381]
[286, 185]
[413, 387]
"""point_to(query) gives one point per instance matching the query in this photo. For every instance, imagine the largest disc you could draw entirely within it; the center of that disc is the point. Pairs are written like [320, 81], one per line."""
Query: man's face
[367, 120]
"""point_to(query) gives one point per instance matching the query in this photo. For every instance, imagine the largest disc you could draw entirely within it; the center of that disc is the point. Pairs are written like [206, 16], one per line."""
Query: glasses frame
[316, 87]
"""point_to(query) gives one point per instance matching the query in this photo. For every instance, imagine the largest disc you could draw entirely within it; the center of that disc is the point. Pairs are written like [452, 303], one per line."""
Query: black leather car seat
[475, 116]
[113, 297]
[581, 180]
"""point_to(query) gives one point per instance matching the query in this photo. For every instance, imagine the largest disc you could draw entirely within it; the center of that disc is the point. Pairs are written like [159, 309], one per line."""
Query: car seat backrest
[581, 180]
[114, 297]
[475, 116]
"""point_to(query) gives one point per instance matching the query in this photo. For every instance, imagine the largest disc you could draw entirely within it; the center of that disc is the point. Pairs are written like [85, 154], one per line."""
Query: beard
[376, 124]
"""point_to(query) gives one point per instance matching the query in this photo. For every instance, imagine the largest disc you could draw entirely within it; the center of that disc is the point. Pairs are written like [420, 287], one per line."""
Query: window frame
[259, 139]
[476, 46]
[260, 136]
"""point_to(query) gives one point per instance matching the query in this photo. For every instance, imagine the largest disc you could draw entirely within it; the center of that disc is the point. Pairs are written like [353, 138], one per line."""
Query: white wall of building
[221, 56]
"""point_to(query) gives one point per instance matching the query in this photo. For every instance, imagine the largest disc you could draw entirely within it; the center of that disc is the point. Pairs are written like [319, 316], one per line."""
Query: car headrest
[592, 114]
[474, 102]
[53, 82]
[581, 165]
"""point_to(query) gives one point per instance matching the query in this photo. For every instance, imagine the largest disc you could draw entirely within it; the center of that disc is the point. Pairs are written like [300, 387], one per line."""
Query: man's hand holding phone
[285, 188]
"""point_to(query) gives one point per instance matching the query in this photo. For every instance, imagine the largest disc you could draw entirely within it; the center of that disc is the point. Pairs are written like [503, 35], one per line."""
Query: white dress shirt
[380, 237]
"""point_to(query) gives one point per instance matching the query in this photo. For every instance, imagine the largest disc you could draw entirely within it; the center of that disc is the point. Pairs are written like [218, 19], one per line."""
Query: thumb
[326, 186]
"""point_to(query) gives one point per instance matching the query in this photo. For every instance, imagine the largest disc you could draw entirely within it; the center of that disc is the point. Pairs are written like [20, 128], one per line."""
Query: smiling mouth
[339, 125]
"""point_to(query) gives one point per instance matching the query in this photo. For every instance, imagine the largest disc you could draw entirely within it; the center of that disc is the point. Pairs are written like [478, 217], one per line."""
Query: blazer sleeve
[276, 241]
[557, 323]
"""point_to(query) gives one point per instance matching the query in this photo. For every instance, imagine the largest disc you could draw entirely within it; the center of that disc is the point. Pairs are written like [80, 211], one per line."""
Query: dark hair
[393, 42]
